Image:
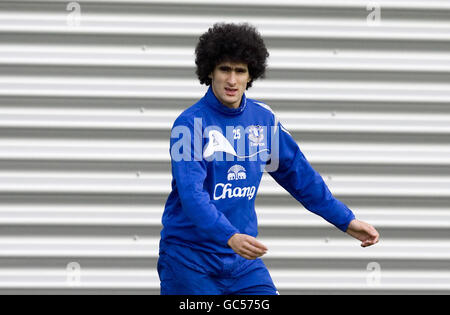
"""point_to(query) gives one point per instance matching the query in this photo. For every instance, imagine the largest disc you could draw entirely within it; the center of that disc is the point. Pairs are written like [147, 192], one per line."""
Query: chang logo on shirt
[236, 172]
[226, 191]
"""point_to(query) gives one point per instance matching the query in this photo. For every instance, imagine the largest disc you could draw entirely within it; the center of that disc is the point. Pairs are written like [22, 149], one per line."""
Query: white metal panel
[85, 117]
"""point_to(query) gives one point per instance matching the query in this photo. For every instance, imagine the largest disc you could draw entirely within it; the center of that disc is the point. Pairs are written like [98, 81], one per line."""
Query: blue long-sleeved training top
[218, 157]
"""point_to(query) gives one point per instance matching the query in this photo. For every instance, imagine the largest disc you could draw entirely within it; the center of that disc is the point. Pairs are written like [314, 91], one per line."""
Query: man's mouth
[230, 91]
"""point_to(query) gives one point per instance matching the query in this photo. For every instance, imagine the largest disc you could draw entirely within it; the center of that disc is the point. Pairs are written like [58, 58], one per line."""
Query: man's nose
[232, 78]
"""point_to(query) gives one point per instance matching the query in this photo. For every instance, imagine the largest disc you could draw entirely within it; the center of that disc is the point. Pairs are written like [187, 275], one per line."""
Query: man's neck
[233, 106]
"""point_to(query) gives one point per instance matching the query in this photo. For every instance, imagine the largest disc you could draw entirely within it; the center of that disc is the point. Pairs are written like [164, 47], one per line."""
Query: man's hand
[247, 246]
[363, 232]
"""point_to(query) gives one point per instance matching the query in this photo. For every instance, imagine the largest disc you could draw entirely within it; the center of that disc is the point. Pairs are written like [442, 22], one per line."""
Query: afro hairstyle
[233, 43]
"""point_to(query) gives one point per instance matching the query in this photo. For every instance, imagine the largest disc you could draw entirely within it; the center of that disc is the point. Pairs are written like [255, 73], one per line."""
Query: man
[220, 147]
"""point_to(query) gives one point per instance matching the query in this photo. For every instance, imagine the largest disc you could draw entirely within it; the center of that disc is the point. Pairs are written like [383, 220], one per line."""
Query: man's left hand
[364, 232]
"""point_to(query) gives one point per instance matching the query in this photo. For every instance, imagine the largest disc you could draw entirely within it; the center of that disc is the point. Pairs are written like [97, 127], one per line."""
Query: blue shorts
[185, 271]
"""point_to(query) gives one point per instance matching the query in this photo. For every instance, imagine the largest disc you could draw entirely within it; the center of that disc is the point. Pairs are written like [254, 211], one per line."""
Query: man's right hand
[247, 246]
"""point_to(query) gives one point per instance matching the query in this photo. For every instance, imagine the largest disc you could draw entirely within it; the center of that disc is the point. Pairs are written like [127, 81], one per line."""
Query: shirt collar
[213, 102]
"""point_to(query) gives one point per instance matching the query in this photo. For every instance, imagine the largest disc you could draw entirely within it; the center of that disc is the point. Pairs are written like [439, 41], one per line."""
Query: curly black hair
[234, 43]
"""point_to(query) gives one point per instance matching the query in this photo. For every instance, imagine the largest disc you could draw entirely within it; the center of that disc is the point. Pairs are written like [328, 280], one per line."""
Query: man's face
[229, 81]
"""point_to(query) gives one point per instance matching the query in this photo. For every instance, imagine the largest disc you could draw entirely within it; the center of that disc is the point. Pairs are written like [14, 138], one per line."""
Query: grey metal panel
[85, 116]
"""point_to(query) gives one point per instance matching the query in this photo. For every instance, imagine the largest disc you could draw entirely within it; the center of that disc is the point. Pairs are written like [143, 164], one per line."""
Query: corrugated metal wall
[89, 90]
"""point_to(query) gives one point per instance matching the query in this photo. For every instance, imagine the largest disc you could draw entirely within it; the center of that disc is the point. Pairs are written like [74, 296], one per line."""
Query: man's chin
[229, 101]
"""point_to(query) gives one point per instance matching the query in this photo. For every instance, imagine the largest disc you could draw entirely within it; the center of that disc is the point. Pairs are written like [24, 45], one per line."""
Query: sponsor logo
[225, 191]
[236, 172]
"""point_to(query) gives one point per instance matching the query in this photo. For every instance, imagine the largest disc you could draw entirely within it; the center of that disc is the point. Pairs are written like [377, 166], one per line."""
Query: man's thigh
[253, 280]
[177, 279]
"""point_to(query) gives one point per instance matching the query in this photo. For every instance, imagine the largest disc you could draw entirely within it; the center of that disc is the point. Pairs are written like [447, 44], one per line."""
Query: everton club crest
[256, 136]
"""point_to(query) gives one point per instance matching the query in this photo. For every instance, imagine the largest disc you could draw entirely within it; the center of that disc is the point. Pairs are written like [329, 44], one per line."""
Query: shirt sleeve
[295, 174]
[190, 172]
